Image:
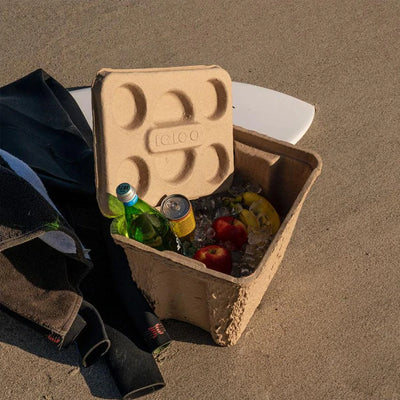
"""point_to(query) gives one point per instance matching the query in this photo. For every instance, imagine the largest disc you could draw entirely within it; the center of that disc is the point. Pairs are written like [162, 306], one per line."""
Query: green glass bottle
[144, 223]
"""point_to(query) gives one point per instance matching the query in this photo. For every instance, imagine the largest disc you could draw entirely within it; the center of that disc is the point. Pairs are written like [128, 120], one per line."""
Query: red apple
[215, 257]
[231, 231]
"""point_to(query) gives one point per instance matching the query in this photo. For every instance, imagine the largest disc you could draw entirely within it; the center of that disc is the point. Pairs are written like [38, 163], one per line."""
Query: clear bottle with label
[146, 224]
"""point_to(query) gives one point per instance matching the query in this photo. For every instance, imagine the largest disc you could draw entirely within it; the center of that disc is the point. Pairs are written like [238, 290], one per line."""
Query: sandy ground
[328, 326]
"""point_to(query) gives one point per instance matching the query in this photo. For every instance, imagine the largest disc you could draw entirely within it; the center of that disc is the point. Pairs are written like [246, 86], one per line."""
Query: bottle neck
[137, 206]
[132, 202]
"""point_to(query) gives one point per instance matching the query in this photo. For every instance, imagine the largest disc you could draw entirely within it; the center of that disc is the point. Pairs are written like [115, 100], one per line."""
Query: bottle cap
[126, 193]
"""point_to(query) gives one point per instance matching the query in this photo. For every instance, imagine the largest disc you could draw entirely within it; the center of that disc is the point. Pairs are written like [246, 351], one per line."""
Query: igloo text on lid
[175, 138]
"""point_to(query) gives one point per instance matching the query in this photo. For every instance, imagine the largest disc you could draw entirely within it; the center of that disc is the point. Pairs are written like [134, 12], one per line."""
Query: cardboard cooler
[167, 131]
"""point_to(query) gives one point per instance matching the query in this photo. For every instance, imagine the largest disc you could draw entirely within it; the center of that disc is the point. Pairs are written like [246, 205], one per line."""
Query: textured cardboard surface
[164, 131]
[150, 122]
[183, 289]
[328, 326]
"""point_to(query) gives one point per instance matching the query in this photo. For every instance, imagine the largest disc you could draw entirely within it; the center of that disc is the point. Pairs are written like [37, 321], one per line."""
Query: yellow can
[178, 210]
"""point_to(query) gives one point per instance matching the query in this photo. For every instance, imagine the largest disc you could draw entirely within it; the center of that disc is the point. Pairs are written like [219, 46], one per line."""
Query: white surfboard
[267, 111]
[256, 108]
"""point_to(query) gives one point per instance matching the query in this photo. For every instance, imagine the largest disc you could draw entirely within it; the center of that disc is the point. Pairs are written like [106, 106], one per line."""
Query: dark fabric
[34, 284]
[134, 370]
[24, 213]
[77, 327]
[41, 124]
[18, 223]
[36, 281]
[138, 311]
[53, 337]
[109, 286]
[93, 341]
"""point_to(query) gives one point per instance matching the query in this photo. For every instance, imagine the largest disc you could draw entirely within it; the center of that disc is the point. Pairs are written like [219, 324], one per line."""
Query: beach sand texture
[328, 326]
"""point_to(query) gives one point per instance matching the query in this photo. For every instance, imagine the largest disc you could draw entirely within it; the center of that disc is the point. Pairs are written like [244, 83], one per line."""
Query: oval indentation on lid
[214, 99]
[176, 166]
[129, 106]
[135, 171]
[217, 163]
[172, 107]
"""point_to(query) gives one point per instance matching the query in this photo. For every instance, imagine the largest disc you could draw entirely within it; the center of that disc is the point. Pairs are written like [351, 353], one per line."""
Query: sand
[328, 326]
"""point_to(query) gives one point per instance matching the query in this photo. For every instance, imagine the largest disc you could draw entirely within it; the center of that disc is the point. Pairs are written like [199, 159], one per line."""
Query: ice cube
[236, 190]
[246, 271]
[222, 212]
[257, 237]
[252, 187]
[250, 249]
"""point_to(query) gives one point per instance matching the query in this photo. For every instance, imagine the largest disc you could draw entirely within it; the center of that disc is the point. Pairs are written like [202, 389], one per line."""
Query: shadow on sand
[18, 334]
[184, 332]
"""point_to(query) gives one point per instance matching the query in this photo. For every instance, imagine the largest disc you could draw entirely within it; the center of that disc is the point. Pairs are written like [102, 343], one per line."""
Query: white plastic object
[266, 111]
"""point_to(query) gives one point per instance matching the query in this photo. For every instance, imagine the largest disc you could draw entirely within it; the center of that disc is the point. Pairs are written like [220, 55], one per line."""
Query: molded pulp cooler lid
[164, 131]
